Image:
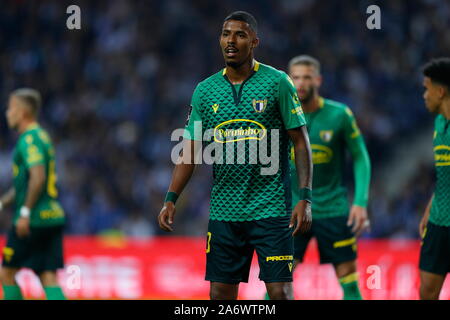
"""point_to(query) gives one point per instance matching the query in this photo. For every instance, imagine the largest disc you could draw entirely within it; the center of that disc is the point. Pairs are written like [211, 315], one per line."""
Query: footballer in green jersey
[434, 227]
[332, 132]
[35, 239]
[241, 112]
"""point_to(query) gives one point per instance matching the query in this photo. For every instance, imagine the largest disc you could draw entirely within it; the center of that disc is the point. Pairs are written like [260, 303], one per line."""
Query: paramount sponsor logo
[253, 130]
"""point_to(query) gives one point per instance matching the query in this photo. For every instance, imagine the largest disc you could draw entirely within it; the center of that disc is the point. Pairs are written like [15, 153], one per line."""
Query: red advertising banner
[173, 268]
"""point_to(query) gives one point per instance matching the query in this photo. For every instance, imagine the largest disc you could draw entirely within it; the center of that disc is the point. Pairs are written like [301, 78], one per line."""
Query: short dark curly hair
[438, 70]
[243, 16]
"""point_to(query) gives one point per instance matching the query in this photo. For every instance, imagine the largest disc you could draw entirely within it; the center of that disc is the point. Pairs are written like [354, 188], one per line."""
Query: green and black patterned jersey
[35, 148]
[440, 207]
[242, 119]
[332, 131]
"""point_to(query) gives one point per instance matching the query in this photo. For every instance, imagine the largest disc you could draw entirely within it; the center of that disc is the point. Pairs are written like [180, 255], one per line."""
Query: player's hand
[23, 227]
[166, 216]
[424, 221]
[358, 218]
[423, 224]
[301, 217]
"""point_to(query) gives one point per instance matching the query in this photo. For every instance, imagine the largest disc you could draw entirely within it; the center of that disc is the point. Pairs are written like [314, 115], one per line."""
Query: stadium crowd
[116, 89]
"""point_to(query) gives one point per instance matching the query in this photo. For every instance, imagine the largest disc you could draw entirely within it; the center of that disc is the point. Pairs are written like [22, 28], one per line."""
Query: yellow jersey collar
[255, 67]
[321, 102]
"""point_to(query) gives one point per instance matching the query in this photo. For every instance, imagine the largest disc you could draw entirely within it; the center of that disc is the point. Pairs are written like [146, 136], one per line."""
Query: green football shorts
[230, 247]
[335, 240]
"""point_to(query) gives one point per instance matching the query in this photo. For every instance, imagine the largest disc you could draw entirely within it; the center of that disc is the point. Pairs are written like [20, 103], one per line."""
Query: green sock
[54, 293]
[12, 292]
[266, 297]
[350, 287]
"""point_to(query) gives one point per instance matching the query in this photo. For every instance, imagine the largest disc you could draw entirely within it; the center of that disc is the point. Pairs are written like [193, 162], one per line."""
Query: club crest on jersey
[295, 98]
[215, 107]
[326, 135]
[259, 105]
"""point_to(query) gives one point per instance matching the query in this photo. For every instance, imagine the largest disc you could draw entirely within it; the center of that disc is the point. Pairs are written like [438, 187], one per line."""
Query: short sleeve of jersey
[193, 127]
[290, 107]
[351, 129]
[31, 152]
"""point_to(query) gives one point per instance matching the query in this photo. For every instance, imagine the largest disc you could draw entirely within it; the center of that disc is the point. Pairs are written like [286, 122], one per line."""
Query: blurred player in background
[435, 225]
[332, 130]
[35, 239]
[248, 210]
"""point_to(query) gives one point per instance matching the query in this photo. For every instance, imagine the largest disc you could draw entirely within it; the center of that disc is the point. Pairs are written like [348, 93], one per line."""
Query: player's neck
[239, 74]
[26, 124]
[446, 108]
[312, 104]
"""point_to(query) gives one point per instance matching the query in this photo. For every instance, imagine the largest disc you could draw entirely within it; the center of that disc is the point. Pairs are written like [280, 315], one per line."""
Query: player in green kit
[435, 225]
[240, 112]
[332, 131]
[35, 239]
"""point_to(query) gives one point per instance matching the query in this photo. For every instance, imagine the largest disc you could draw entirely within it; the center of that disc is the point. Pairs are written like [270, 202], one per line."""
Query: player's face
[432, 95]
[14, 112]
[306, 80]
[237, 41]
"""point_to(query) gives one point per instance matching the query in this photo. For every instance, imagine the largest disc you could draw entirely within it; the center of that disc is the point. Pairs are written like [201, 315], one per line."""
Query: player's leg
[274, 245]
[430, 285]
[223, 291]
[48, 258]
[228, 259]
[15, 256]
[11, 290]
[345, 268]
[273, 290]
[337, 245]
[49, 281]
[300, 245]
[280, 290]
[347, 274]
[434, 261]
[8, 276]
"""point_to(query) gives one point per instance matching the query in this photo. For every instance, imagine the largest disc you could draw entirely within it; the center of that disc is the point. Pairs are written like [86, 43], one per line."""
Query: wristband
[24, 212]
[171, 196]
[305, 194]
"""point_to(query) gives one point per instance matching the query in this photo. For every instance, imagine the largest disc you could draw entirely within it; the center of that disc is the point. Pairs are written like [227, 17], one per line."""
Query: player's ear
[443, 91]
[319, 80]
[27, 111]
[255, 42]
